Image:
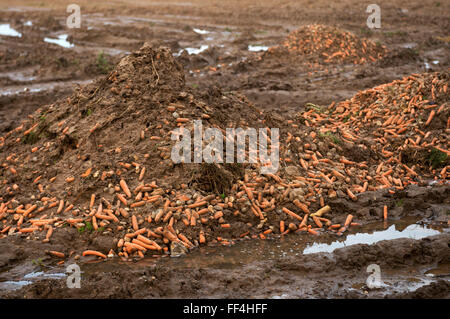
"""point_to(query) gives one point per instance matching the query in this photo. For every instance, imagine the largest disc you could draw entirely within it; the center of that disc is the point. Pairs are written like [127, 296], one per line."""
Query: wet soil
[35, 73]
[412, 250]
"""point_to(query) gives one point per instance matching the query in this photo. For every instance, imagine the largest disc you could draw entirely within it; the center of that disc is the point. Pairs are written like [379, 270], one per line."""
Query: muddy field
[77, 107]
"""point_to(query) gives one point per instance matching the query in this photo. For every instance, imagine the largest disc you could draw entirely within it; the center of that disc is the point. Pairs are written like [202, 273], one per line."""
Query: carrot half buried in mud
[56, 254]
[385, 212]
[93, 253]
[291, 213]
[348, 220]
[303, 207]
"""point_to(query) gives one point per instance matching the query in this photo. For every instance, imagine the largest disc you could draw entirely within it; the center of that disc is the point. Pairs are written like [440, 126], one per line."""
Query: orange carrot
[125, 188]
[348, 220]
[86, 173]
[198, 204]
[291, 213]
[430, 117]
[304, 221]
[28, 230]
[281, 226]
[122, 199]
[93, 253]
[56, 254]
[202, 238]
[385, 212]
[61, 206]
[70, 179]
[303, 207]
[134, 222]
[351, 195]
[317, 221]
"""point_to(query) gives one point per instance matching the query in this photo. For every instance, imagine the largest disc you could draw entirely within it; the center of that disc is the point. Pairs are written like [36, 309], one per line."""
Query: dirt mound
[110, 122]
[328, 45]
[68, 158]
[100, 160]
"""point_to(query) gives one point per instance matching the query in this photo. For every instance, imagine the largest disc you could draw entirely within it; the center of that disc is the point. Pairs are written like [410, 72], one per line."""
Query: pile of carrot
[146, 215]
[329, 45]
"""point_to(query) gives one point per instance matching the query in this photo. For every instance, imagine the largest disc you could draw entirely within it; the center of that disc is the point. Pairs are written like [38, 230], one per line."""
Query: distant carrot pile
[100, 161]
[403, 126]
[330, 45]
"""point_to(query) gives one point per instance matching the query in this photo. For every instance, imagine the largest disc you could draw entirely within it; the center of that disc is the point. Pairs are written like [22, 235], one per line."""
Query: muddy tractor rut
[85, 170]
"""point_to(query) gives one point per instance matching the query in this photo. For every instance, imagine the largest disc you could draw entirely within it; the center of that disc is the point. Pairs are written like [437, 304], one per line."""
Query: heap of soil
[100, 161]
[328, 45]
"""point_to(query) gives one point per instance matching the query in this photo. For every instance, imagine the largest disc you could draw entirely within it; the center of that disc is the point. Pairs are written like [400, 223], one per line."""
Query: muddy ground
[34, 73]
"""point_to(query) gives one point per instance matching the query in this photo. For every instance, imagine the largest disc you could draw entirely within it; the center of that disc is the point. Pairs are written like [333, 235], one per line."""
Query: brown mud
[238, 84]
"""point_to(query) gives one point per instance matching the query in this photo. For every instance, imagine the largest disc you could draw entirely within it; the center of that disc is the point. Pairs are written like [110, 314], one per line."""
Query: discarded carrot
[56, 254]
[303, 207]
[198, 204]
[317, 221]
[93, 253]
[134, 222]
[122, 199]
[323, 210]
[348, 220]
[202, 238]
[125, 188]
[291, 213]
[282, 226]
[430, 117]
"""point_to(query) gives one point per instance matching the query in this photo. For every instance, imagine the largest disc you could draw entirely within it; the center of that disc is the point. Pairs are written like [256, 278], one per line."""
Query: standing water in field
[61, 41]
[5, 29]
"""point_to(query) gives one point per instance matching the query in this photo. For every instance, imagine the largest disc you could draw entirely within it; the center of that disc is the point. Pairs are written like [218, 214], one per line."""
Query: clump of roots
[216, 178]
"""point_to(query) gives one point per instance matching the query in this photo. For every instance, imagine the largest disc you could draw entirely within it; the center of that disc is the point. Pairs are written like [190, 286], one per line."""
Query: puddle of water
[247, 251]
[5, 29]
[41, 274]
[412, 231]
[28, 23]
[411, 284]
[408, 45]
[191, 51]
[257, 48]
[23, 75]
[442, 270]
[282, 296]
[29, 279]
[200, 31]
[61, 41]
[38, 87]
[13, 285]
